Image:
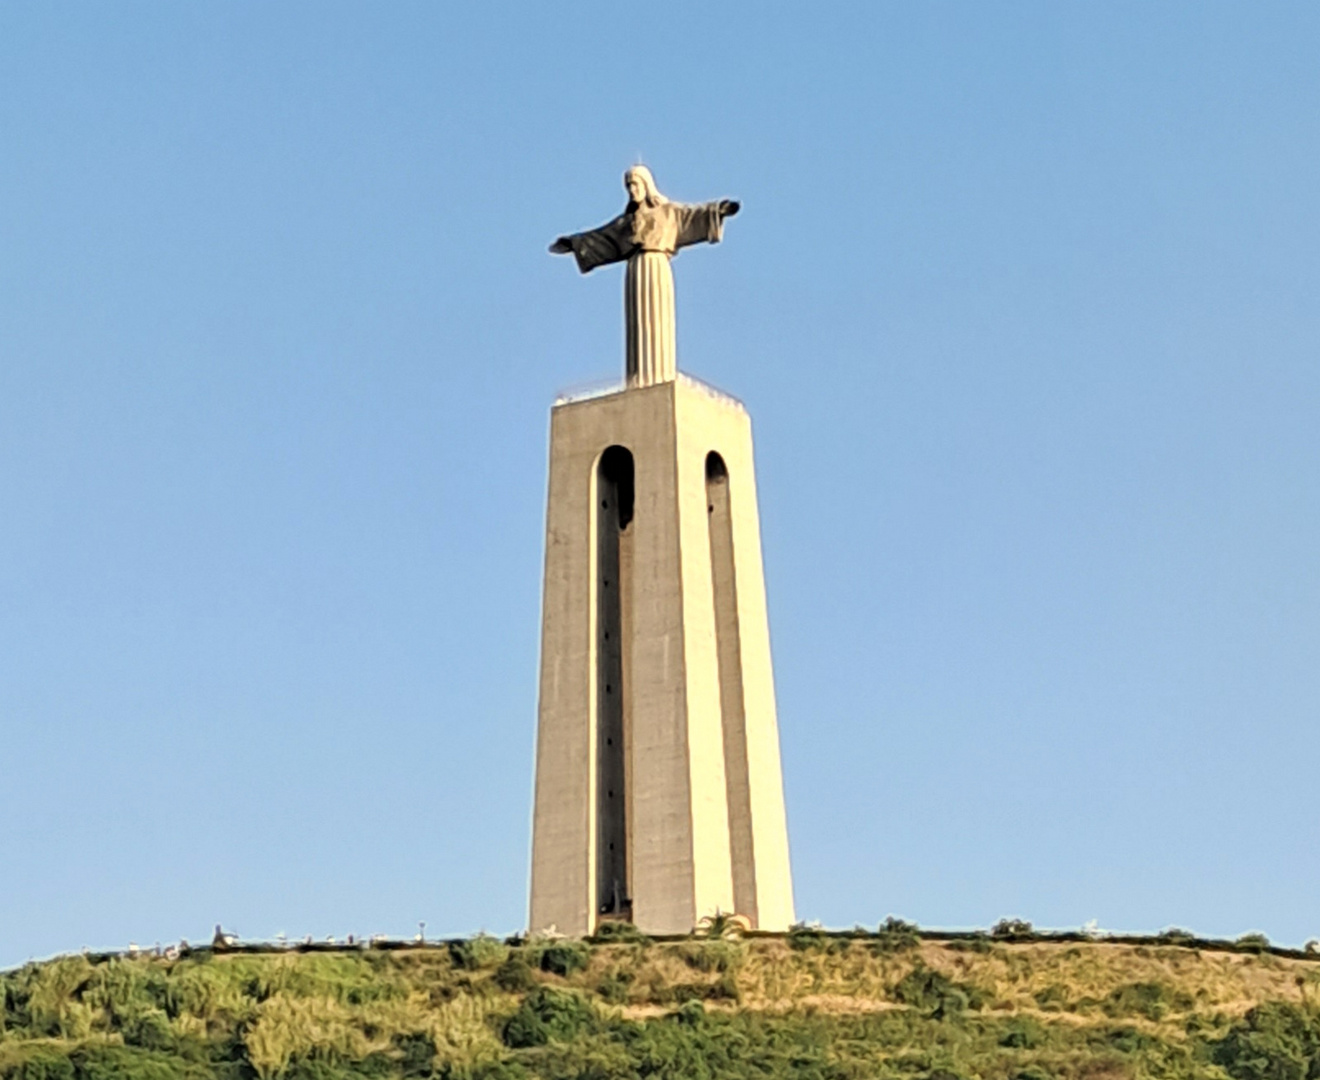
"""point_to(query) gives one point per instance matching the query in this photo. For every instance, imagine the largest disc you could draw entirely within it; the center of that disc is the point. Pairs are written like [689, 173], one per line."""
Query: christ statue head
[641, 187]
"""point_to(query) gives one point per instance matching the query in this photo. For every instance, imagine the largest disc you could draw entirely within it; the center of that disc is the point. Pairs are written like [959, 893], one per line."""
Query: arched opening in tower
[728, 648]
[614, 514]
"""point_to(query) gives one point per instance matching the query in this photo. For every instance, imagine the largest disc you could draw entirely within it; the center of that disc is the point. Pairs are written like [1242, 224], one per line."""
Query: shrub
[1012, 930]
[1052, 998]
[415, 1053]
[496, 1070]
[1175, 935]
[44, 1065]
[712, 956]
[149, 1029]
[725, 988]
[614, 987]
[721, 925]
[935, 993]
[895, 935]
[692, 1014]
[563, 958]
[1274, 1041]
[1253, 943]
[1022, 1033]
[127, 1063]
[976, 943]
[1128, 1040]
[333, 1068]
[549, 1015]
[1147, 999]
[515, 975]
[476, 953]
[618, 933]
[803, 937]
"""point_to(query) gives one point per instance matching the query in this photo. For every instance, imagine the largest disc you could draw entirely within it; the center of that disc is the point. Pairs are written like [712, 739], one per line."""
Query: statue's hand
[729, 207]
[562, 246]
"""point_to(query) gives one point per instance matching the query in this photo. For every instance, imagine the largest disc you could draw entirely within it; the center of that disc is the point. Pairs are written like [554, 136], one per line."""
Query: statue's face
[636, 189]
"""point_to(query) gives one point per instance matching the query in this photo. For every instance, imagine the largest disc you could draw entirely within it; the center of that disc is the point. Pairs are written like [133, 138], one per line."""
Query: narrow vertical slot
[614, 512]
[728, 646]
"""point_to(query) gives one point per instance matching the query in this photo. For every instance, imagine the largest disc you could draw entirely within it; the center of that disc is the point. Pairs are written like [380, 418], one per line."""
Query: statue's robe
[664, 229]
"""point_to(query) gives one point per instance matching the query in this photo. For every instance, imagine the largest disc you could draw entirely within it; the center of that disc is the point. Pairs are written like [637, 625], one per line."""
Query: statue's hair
[652, 195]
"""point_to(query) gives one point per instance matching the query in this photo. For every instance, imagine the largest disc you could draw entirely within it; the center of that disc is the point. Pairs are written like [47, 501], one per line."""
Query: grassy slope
[814, 1006]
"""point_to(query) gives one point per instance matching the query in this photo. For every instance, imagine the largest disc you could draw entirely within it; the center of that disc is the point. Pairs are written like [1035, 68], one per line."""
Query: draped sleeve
[699, 223]
[610, 243]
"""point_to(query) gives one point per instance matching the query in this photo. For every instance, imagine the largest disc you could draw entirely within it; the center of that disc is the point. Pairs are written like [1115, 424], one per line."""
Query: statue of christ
[650, 230]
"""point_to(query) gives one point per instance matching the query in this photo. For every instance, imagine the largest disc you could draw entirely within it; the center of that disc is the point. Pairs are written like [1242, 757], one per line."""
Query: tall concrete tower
[659, 797]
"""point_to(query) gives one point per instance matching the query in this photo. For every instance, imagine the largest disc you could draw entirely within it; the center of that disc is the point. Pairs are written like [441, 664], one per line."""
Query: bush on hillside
[478, 953]
[615, 987]
[515, 975]
[712, 956]
[549, 1015]
[1150, 1000]
[1052, 998]
[1012, 930]
[618, 933]
[1274, 1041]
[43, 1065]
[803, 938]
[721, 925]
[1023, 1033]
[935, 994]
[1253, 943]
[895, 935]
[563, 958]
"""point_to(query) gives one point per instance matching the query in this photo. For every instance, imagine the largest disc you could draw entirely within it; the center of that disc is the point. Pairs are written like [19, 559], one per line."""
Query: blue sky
[1022, 301]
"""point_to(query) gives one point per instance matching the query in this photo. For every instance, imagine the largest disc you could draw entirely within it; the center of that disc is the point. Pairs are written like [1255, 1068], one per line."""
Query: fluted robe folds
[647, 236]
[648, 315]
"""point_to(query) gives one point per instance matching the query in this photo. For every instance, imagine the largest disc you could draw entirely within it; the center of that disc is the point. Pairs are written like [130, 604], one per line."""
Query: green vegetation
[1012, 1004]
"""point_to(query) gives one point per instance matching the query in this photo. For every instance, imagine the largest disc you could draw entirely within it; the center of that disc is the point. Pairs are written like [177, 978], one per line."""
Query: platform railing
[605, 387]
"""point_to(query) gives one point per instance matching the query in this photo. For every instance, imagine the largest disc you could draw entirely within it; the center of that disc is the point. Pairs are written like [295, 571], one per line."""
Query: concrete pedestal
[659, 796]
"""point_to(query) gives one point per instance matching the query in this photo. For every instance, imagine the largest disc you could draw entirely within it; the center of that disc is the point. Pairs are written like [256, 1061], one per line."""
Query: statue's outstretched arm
[595, 247]
[704, 222]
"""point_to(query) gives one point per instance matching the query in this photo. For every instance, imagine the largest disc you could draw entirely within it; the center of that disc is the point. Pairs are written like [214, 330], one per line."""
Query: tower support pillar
[659, 796]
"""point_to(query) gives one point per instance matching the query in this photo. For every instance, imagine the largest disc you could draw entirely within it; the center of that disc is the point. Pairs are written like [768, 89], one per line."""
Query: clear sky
[1023, 301]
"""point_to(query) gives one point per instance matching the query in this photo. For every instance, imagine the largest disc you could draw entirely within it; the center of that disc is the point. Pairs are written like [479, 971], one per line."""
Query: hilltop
[893, 1003]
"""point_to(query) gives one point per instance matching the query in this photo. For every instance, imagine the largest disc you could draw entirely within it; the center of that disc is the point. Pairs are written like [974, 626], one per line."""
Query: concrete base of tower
[659, 795]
